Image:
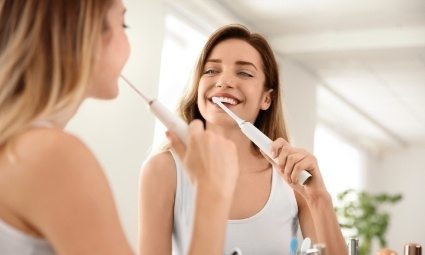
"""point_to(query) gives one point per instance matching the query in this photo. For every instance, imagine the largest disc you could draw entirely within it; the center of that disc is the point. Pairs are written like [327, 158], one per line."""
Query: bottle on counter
[312, 251]
[321, 248]
[353, 246]
[412, 249]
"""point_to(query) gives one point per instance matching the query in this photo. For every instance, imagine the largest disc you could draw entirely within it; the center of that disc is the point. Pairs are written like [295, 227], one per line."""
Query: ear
[266, 100]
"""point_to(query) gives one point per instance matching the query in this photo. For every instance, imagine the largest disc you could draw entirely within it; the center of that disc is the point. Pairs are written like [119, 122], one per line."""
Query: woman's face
[234, 72]
[113, 55]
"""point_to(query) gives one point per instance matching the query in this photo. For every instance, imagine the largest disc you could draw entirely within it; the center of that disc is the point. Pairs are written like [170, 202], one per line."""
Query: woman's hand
[212, 165]
[315, 210]
[210, 160]
[290, 161]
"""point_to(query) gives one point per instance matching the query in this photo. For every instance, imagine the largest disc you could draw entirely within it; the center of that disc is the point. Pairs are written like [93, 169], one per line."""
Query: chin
[106, 93]
[110, 96]
[222, 121]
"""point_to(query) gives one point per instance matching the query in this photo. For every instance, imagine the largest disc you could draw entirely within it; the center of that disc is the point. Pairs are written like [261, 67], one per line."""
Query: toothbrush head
[215, 100]
[293, 246]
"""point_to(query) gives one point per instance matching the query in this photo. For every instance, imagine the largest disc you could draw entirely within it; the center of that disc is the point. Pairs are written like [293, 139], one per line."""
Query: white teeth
[225, 100]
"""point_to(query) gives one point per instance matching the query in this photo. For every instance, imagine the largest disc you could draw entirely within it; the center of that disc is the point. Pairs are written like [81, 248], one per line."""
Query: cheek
[202, 90]
[117, 53]
[109, 67]
[200, 99]
[124, 46]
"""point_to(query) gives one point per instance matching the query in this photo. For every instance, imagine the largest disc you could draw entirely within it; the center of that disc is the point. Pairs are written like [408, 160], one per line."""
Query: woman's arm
[65, 195]
[318, 221]
[317, 217]
[210, 222]
[157, 190]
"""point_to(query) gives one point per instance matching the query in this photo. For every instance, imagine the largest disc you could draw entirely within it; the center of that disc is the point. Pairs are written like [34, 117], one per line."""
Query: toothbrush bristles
[218, 102]
[215, 100]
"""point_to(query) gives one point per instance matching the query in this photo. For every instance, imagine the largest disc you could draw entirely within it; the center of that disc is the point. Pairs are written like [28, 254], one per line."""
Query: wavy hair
[47, 52]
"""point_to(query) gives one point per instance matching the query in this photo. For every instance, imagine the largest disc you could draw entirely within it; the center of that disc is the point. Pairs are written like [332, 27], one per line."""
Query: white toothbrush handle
[264, 143]
[170, 120]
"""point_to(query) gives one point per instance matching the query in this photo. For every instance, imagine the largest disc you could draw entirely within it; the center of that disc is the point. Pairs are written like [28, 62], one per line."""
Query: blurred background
[353, 73]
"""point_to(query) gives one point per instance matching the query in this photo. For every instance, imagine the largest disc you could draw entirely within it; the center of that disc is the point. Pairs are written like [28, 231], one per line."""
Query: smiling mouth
[226, 100]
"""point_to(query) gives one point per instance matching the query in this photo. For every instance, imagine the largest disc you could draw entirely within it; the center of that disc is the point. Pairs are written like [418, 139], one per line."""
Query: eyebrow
[239, 62]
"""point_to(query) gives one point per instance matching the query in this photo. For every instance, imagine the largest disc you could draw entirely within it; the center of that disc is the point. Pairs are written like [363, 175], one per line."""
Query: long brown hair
[270, 121]
[47, 52]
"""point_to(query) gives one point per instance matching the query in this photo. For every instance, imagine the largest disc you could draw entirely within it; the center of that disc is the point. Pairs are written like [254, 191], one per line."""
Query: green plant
[359, 211]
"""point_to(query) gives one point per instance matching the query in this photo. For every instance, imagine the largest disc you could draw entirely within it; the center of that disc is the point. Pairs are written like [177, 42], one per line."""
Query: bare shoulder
[156, 205]
[53, 152]
[65, 195]
[160, 168]
[50, 160]
[158, 178]
[161, 160]
[39, 144]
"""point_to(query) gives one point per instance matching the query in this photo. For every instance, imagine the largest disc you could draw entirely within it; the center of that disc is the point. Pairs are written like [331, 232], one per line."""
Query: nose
[222, 83]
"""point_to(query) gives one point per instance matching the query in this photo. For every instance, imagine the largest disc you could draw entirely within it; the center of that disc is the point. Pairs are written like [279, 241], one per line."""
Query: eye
[210, 71]
[124, 25]
[246, 74]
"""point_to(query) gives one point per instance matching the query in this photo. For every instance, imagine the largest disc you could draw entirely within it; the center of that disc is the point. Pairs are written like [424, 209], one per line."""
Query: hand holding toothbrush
[259, 139]
[291, 161]
[211, 161]
[315, 209]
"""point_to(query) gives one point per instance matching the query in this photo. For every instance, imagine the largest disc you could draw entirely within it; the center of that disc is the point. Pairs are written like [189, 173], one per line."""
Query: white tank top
[13, 242]
[266, 232]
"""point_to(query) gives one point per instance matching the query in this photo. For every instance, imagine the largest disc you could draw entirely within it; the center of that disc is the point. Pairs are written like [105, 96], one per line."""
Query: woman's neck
[60, 119]
[250, 159]
[56, 123]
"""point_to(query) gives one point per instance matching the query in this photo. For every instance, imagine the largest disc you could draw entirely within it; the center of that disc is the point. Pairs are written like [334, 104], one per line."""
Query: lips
[226, 99]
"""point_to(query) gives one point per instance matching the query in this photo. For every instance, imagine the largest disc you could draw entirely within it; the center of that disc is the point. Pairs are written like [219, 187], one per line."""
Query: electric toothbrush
[169, 119]
[257, 137]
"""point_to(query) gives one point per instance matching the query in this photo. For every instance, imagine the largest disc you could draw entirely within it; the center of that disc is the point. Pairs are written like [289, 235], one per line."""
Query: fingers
[196, 129]
[291, 161]
[281, 159]
[196, 133]
[299, 162]
[277, 146]
[210, 160]
[176, 144]
[286, 157]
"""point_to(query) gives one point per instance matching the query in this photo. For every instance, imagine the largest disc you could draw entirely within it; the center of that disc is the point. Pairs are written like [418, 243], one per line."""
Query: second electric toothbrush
[257, 137]
[170, 120]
